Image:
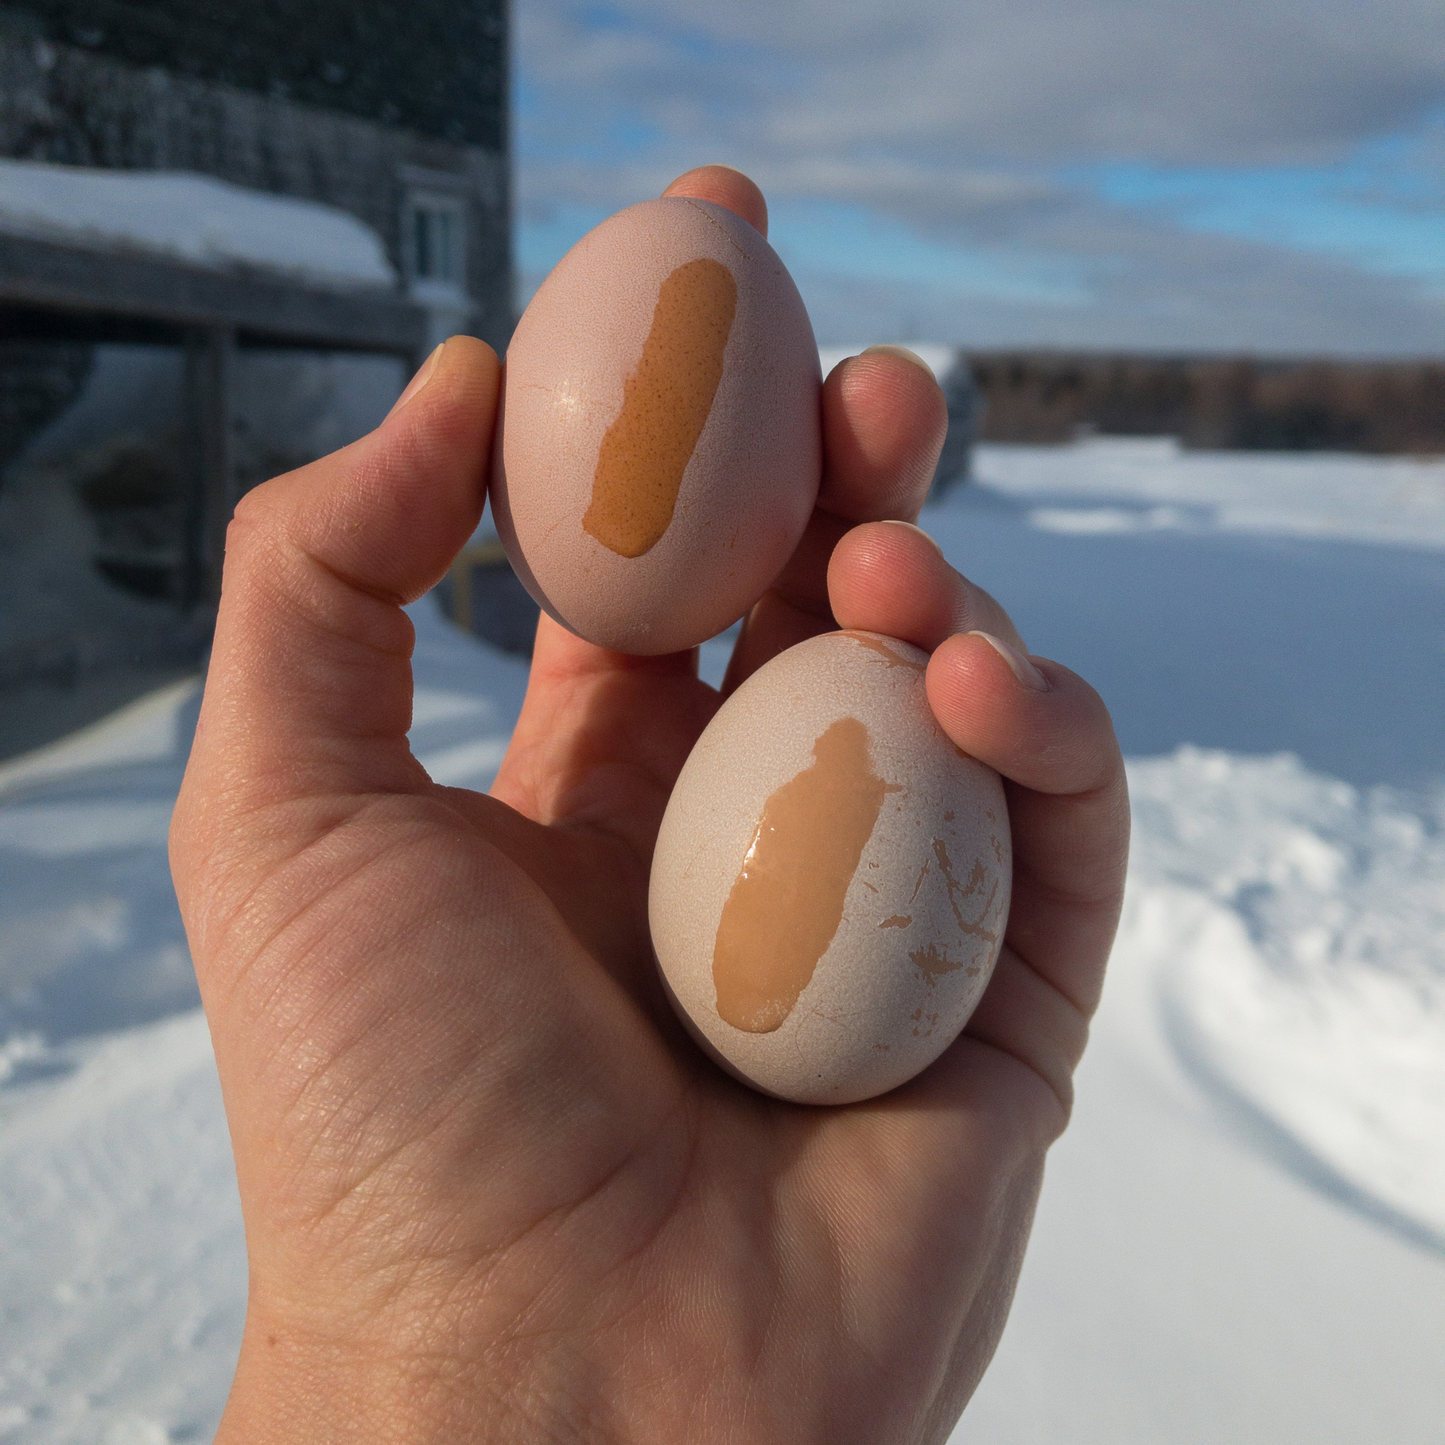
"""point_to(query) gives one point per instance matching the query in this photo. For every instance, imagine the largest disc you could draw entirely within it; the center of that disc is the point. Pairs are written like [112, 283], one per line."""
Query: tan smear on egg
[665, 405]
[787, 902]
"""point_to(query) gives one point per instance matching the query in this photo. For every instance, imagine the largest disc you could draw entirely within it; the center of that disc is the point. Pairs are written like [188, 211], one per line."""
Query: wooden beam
[210, 371]
[257, 307]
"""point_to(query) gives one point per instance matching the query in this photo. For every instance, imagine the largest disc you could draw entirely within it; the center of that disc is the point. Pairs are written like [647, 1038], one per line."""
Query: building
[395, 112]
[226, 234]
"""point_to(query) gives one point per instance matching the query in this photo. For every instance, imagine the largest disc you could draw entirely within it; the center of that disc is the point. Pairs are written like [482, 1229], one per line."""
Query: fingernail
[1018, 664]
[905, 353]
[424, 375]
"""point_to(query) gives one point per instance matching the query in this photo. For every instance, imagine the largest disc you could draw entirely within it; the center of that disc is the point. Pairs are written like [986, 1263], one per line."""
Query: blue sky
[850, 242]
[1382, 207]
[1265, 176]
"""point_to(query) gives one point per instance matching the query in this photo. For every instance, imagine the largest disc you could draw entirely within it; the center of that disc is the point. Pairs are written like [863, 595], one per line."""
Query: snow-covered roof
[191, 218]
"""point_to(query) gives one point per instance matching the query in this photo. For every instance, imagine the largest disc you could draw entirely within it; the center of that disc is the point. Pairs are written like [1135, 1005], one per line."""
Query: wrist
[296, 1385]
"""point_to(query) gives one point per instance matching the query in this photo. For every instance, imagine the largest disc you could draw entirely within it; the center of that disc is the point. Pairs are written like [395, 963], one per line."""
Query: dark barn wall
[432, 66]
[323, 102]
[118, 445]
[1230, 403]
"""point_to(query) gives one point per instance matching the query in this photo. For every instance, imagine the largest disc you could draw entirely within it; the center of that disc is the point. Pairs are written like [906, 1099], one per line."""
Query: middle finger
[884, 419]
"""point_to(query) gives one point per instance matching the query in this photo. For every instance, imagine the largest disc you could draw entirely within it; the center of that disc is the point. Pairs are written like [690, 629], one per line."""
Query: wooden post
[210, 364]
[489, 553]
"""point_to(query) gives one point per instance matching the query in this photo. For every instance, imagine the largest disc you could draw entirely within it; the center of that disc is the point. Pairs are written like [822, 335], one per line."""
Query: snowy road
[1242, 1236]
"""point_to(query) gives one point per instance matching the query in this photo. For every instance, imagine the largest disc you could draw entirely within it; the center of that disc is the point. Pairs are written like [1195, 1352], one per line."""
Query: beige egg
[659, 450]
[831, 880]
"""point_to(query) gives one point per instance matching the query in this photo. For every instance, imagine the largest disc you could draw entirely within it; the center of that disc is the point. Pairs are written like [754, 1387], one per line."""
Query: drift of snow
[1241, 1236]
[1193, 1276]
[191, 218]
[1119, 484]
[117, 1321]
[1306, 923]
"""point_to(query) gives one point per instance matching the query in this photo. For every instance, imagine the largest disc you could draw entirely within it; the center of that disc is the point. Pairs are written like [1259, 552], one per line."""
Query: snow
[123, 1320]
[1305, 921]
[1118, 484]
[1186, 1283]
[1241, 1236]
[191, 218]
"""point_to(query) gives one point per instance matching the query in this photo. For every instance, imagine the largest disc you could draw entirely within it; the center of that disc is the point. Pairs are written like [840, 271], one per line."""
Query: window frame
[436, 194]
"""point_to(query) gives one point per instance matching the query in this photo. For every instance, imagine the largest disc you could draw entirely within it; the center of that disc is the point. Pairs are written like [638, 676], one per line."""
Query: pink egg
[659, 452]
[830, 885]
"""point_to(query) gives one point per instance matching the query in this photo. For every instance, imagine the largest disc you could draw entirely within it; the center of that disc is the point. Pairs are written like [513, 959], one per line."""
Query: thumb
[309, 692]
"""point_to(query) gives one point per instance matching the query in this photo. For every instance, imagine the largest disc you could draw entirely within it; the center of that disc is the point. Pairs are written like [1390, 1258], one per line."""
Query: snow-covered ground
[1241, 1237]
[192, 218]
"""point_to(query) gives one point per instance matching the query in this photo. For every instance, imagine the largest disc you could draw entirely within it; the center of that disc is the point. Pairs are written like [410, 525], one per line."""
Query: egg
[831, 880]
[659, 449]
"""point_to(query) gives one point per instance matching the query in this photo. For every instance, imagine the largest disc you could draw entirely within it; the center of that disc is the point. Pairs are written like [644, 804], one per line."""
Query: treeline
[1230, 403]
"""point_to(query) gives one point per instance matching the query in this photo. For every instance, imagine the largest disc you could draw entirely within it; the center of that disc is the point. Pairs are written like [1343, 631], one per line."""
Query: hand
[491, 1190]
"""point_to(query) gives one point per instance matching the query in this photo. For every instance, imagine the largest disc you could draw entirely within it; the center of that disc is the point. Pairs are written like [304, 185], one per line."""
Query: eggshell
[660, 449]
[831, 880]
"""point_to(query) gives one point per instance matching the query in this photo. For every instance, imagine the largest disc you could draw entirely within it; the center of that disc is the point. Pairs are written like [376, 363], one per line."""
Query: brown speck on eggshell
[804, 931]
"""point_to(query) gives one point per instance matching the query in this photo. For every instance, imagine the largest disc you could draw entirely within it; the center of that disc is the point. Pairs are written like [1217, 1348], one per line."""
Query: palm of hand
[491, 1188]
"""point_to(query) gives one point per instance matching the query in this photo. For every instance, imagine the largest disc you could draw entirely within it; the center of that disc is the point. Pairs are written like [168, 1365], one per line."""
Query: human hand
[491, 1189]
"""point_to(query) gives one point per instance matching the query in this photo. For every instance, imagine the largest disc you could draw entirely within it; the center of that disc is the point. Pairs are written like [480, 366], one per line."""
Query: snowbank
[1304, 922]
[1191, 1279]
[120, 1322]
[1133, 484]
[191, 218]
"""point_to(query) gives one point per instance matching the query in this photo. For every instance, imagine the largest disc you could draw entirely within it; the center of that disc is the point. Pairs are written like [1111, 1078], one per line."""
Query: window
[435, 243]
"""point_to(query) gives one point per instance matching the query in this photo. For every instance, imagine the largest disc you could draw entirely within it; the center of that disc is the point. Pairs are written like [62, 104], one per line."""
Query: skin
[491, 1190]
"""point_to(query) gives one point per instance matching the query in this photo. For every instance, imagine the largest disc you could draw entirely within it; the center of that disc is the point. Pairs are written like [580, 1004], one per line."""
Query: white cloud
[974, 126]
[1151, 288]
[1224, 82]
